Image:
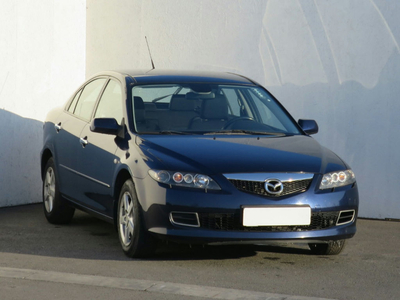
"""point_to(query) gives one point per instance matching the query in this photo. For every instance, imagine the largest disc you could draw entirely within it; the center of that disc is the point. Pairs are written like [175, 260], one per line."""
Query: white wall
[335, 61]
[42, 60]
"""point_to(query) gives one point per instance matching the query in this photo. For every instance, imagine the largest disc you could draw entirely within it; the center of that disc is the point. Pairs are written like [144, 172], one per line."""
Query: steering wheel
[230, 122]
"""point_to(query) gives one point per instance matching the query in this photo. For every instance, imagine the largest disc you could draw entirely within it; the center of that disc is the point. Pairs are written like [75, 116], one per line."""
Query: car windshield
[208, 109]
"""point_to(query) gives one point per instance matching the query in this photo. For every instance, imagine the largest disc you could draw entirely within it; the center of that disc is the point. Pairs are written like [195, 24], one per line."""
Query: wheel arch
[123, 175]
[46, 155]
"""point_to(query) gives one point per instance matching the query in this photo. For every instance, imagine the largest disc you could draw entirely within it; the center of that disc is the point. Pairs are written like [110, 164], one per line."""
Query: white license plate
[276, 216]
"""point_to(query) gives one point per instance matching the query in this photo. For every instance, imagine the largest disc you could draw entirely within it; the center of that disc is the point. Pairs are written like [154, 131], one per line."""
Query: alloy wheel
[49, 190]
[126, 219]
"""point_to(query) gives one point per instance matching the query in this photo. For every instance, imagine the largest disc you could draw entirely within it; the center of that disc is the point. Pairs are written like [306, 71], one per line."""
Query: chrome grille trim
[262, 177]
[346, 216]
[194, 214]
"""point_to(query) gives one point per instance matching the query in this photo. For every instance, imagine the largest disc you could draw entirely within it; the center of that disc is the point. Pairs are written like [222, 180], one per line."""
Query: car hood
[238, 154]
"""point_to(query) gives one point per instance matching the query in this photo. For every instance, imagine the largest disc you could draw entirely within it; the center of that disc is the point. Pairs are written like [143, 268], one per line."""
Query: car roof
[180, 76]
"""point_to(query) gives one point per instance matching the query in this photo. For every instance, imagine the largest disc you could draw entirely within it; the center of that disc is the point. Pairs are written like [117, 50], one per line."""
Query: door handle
[83, 141]
[58, 127]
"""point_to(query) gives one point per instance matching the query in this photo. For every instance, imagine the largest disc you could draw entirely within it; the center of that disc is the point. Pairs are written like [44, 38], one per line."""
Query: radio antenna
[151, 58]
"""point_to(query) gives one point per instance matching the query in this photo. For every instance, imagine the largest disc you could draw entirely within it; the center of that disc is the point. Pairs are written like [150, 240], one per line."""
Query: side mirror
[105, 125]
[308, 126]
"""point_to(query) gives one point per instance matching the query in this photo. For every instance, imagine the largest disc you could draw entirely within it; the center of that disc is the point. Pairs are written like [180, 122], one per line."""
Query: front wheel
[133, 236]
[55, 208]
[330, 248]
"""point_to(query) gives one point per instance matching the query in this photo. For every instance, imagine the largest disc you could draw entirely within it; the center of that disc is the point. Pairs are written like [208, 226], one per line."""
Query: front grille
[217, 221]
[231, 222]
[257, 187]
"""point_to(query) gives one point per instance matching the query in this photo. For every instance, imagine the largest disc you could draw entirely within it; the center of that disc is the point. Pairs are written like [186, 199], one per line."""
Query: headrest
[216, 108]
[138, 103]
[149, 106]
[196, 96]
[138, 106]
[180, 103]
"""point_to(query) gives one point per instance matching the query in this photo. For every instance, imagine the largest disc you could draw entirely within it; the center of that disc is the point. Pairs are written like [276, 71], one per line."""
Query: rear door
[69, 127]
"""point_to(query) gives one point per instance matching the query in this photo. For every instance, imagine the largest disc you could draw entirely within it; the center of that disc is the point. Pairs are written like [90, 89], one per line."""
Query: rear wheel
[133, 236]
[330, 248]
[55, 208]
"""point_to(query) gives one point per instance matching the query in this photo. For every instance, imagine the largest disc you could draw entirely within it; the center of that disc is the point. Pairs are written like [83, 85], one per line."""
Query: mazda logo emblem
[273, 186]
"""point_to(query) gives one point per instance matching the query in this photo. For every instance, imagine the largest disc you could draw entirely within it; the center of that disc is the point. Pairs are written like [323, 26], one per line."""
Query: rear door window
[87, 100]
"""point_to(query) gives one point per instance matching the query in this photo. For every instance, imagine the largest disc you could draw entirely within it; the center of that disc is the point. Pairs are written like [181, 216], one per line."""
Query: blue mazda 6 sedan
[194, 157]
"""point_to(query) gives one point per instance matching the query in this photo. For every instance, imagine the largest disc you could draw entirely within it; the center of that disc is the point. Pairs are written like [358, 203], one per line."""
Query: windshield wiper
[165, 132]
[173, 132]
[243, 131]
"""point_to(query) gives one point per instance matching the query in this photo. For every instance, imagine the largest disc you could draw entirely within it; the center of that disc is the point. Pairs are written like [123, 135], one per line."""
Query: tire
[133, 235]
[331, 248]
[56, 209]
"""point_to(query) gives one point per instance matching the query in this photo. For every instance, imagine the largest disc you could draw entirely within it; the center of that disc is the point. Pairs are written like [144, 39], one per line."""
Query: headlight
[336, 179]
[184, 179]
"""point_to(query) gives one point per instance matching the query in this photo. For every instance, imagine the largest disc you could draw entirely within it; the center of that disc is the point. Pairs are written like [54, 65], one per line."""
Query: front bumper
[201, 236]
[220, 214]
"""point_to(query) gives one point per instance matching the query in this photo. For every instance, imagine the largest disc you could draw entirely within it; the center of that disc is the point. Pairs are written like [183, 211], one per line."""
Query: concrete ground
[83, 260]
